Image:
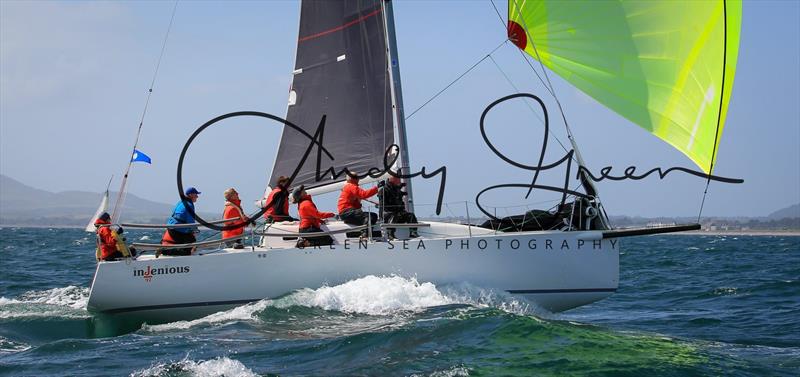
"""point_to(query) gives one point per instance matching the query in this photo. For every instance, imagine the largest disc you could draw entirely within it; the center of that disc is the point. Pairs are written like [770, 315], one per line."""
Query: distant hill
[21, 204]
[788, 212]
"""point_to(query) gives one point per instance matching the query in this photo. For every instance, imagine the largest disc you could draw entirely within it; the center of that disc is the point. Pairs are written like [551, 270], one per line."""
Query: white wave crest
[10, 346]
[70, 296]
[67, 301]
[221, 366]
[467, 294]
[372, 295]
[144, 238]
[457, 371]
[239, 313]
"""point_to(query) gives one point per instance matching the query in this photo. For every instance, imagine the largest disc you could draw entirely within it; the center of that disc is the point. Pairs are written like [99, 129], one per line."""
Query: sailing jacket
[352, 195]
[309, 215]
[391, 198]
[279, 211]
[181, 215]
[107, 241]
[233, 210]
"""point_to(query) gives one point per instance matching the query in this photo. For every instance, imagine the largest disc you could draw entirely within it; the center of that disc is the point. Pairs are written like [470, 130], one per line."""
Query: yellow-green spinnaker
[657, 63]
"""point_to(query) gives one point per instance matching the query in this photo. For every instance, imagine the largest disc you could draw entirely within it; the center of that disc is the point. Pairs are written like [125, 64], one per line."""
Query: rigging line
[525, 58]
[577, 154]
[526, 102]
[121, 193]
[544, 72]
[502, 21]
[457, 78]
[721, 101]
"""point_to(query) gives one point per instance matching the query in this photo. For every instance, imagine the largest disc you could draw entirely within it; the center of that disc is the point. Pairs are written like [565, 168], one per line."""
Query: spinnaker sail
[667, 66]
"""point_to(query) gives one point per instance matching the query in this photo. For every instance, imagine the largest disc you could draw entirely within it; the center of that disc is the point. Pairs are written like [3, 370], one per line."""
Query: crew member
[392, 206]
[349, 204]
[278, 202]
[108, 240]
[310, 219]
[233, 210]
[183, 213]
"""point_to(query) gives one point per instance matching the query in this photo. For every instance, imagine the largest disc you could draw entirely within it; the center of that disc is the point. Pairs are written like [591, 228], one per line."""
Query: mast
[397, 100]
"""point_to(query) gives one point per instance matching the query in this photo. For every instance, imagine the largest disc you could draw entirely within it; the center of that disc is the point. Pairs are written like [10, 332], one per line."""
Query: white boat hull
[555, 270]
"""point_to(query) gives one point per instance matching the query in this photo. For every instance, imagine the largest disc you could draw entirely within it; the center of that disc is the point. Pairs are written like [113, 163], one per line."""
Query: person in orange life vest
[233, 210]
[106, 241]
[279, 198]
[310, 219]
[181, 214]
[349, 204]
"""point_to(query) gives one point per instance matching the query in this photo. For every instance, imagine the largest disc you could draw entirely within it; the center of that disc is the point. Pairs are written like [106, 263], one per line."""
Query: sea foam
[221, 366]
[373, 295]
[69, 301]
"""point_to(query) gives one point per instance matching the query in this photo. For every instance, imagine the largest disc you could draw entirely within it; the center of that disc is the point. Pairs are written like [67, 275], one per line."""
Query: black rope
[456, 80]
[721, 102]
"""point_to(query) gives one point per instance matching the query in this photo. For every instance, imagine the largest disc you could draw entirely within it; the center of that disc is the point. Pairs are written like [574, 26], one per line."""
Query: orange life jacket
[309, 215]
[233, 211]
[279, 211]
[107, 242]
[352, 195]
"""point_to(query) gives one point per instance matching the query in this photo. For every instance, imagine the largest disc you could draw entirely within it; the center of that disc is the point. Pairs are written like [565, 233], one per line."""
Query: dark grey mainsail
[341, 72]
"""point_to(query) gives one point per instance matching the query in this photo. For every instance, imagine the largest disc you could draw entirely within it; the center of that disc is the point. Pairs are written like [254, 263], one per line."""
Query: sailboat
[346, 111]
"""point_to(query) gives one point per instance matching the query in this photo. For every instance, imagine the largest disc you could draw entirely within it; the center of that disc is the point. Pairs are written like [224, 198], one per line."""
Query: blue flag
[140, 157]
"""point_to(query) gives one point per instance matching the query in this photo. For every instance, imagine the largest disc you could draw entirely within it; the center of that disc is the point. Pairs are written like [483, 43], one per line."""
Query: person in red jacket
[106, 242]
[279, 200]
[233, 210]
[310, 219]
[349, 204]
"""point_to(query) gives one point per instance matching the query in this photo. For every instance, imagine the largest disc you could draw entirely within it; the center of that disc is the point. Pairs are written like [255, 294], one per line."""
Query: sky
[74, 79]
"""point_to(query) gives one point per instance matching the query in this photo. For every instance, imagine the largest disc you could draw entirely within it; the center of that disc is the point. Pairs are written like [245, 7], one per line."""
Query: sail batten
[667, 66]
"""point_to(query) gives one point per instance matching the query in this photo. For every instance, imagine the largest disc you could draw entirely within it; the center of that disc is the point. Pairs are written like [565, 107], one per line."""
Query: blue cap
[191, 190]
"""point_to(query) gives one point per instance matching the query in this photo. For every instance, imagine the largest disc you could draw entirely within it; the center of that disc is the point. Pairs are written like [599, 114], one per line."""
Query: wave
[221, 366]
[457, 371]
[69, 301]
[241, 313]
[370, 295]
[10, 346]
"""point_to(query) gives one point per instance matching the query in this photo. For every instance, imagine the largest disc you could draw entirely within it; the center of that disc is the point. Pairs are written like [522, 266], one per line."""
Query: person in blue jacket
[181, 215]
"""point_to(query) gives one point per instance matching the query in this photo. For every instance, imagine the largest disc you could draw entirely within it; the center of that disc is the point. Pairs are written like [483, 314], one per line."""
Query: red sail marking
[351, 23]
[517, 35]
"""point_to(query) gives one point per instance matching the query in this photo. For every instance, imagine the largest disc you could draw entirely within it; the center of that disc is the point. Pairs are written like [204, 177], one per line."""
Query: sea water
[687, 305]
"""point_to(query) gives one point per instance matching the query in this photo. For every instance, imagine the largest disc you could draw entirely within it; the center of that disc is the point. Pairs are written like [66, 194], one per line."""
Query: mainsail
[667, 66]
[340, 73]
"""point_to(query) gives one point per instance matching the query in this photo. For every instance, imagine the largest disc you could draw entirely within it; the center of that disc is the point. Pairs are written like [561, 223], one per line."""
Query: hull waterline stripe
[236, 302]
[575, 290]
[176, 306]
